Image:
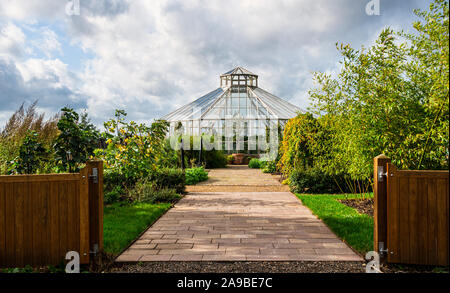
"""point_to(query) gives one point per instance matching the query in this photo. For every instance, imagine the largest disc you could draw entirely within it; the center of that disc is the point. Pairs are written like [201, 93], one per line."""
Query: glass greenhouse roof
[239, 97]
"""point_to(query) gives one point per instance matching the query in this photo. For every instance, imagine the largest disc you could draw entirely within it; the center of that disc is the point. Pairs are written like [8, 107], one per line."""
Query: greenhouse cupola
[238, 108]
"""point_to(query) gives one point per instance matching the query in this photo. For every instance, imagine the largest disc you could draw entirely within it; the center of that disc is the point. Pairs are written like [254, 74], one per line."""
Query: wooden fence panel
[42, 217]
[417, 216]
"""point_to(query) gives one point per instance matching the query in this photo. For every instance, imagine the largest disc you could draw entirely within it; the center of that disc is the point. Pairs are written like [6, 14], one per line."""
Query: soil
[363, 206]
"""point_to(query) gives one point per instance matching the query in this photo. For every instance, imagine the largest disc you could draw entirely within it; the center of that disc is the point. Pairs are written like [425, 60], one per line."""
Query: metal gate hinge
[95, 251]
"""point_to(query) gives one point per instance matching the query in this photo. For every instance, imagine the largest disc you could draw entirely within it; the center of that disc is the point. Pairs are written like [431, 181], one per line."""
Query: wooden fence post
[95, 172]
[380, 201]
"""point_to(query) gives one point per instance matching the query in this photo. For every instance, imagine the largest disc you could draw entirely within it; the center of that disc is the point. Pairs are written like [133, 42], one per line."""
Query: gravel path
[241, 267]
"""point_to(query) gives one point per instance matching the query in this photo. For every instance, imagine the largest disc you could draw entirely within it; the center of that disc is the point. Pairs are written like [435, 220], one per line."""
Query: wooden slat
[71, 218]
[100, 205]
[45, 221]
[423, 174]
[432, 222]
[403, 193]
[28, 223]
[2, 224]
[36, 228]
[392, 215]
[422, 225]
[442, 222]
[39, 178]
[63, 221]
[10, 225]
[96, 205]
[19, 198]
[84, 216]
[54, 223]
[413, 221]
[380, 202]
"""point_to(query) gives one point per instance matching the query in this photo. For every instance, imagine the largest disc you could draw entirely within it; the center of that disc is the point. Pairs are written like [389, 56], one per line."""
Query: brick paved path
[238, 226]
[239, 179]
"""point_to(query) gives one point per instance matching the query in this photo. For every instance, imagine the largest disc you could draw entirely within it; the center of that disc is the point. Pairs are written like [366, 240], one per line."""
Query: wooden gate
[42, 217]
[411, 214]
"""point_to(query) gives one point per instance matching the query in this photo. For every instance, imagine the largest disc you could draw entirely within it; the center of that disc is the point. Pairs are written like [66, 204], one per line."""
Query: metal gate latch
[381, 173]
[94, 175]
[381, 249]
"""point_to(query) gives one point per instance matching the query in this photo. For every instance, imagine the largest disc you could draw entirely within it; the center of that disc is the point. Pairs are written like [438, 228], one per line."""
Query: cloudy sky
[150, 57]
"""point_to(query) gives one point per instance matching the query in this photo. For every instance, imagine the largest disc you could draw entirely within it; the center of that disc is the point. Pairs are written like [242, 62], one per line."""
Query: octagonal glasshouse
[239, 114]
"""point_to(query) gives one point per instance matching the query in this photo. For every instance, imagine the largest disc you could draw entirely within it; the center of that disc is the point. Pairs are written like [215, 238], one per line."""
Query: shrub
[230, 159]
[210, 159]
[76, 142]
[269, 167]
[32, 153]
[254, 164]
[215, 159]
[135, 150]
[315, 181]
[286, 182]
[196, 175]
[114, 195]
[168, 195]
[146, 191]
[112, 178]
[169, 178]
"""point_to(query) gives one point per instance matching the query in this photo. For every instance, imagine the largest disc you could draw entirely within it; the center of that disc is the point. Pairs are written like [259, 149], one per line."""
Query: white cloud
[150, 57]
[12, 40]
[48, 43]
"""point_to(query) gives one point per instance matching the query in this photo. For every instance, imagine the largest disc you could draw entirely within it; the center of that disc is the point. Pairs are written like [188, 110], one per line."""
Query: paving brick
[187, 257]
[155, 257]
[252, 226]
[174, 245]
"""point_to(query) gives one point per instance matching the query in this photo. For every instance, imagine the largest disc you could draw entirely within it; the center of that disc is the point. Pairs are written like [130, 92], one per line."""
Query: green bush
[115, 195]
[269, 167]
[146, 191]
[112, 178]
[254, 164]
[316, 181]
[210, 159]
[196, 175]
[165, 195]
[230, 159]
[215, 159]
[169, 178]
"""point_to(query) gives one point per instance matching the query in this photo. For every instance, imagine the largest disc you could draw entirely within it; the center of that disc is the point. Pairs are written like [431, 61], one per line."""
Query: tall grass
[15, 130]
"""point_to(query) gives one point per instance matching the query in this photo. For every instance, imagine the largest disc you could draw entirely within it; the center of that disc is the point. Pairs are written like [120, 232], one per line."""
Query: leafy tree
[296, 148]
[429, 70]
[135, 150]
[31, 154]
[390, 98]
[76, 142]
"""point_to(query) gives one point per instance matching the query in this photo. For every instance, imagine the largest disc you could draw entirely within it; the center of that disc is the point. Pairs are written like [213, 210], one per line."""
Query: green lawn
[356, 229]
[122, 223]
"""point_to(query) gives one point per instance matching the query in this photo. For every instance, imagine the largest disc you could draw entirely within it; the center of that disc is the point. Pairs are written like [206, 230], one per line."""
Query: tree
[31, 154]
[76, 142]
[135, 150]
